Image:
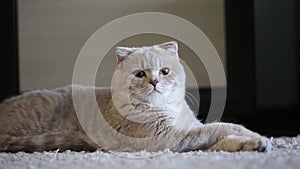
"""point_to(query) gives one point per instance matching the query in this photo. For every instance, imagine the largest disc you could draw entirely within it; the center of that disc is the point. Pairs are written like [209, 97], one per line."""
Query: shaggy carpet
[284, 155]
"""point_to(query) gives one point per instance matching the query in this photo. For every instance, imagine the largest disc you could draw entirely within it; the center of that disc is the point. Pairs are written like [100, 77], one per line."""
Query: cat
[146, 108]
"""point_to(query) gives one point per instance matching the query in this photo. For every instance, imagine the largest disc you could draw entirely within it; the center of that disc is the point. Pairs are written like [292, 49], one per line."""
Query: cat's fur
[46, 119]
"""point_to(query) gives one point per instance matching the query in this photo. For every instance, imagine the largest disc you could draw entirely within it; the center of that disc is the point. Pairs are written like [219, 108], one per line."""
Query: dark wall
[276, 58]
[277, 66]
[262, 41]
[9, 84]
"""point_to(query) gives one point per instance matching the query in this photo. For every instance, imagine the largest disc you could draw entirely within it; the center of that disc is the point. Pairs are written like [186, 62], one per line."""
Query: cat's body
[146, 109]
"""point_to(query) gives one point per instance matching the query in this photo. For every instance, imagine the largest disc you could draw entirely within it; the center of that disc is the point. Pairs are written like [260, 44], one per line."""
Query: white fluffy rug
[285, 155]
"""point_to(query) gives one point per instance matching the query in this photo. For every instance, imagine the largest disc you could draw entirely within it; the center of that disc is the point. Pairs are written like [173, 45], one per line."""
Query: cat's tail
[46, 142]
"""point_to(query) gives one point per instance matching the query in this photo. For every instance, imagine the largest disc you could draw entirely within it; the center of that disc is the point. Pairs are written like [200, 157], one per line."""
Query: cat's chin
[156, 98]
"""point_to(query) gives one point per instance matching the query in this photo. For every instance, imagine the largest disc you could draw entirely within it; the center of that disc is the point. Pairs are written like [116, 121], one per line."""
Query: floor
[285, 154]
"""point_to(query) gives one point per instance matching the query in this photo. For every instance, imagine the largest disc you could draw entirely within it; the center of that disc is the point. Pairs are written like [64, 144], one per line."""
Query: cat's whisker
[197, 101]
[192, 98]
[142, 89]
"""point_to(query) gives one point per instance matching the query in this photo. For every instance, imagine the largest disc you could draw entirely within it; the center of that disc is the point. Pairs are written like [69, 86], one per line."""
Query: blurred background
[52, 33]
[257, 41]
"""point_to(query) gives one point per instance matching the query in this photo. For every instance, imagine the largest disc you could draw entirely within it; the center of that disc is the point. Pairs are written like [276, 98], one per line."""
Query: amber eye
[165, 71]
[140, 74]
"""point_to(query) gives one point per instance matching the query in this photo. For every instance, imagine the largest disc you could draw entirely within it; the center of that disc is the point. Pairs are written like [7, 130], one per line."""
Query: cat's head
[152, 74]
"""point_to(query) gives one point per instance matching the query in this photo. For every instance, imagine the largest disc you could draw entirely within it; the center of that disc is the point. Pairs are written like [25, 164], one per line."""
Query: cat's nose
[154, 82]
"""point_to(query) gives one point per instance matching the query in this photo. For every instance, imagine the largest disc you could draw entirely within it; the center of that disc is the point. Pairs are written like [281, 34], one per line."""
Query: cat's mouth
[153, 91]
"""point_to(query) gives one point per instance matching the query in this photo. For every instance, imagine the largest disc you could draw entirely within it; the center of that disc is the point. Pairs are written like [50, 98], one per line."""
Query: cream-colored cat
[146, 111]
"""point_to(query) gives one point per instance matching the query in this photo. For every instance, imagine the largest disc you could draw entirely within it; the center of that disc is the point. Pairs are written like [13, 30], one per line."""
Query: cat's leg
[45, 142]
[223, 136]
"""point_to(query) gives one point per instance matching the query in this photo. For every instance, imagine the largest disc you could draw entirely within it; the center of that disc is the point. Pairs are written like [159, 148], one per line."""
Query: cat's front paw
[234, 143]
[261, 144]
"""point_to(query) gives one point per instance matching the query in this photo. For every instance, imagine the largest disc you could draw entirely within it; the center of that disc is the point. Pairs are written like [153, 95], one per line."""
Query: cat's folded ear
[170, 46]
[122, 53]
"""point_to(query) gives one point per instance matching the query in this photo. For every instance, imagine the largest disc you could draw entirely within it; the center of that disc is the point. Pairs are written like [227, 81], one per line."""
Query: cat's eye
[140, 74]
[165, 71]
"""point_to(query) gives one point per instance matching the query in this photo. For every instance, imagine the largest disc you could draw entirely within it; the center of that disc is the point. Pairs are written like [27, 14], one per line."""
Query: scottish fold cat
[146, 109]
